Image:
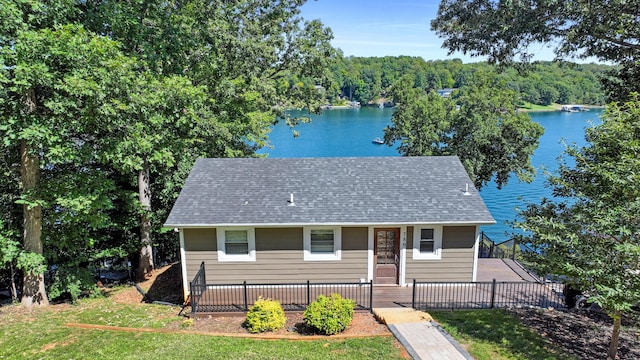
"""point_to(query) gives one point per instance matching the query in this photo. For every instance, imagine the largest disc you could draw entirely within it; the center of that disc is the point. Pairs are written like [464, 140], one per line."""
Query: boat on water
[378, 141]
[574, 108]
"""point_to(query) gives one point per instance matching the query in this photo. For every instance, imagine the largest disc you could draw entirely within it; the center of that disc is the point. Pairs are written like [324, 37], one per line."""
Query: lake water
[348, 132]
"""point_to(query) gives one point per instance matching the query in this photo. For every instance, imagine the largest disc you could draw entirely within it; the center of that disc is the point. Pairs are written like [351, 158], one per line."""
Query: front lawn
[42, 334]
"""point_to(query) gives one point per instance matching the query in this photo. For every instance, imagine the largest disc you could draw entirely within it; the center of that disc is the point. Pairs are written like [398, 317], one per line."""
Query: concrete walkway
[422, 337]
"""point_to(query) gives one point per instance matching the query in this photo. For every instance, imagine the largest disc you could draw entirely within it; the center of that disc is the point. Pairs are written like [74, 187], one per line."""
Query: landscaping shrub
[329, 315]
[265, 315]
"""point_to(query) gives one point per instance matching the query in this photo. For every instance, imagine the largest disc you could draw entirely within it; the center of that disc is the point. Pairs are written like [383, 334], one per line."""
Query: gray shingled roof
[363, 190]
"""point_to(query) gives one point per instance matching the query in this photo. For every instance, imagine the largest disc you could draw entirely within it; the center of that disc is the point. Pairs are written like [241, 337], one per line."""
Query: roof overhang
[456, 223]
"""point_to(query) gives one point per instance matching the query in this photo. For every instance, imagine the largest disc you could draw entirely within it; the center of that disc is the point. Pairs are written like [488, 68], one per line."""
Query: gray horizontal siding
[456, 263]
[279, 258]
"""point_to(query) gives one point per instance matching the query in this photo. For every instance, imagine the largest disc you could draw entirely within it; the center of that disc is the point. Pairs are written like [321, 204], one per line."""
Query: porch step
[399, 315]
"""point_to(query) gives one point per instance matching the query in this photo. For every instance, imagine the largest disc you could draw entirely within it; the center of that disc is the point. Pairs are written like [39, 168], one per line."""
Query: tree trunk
[145, 263]
[14, 289]
[615, 335]
[33, 291]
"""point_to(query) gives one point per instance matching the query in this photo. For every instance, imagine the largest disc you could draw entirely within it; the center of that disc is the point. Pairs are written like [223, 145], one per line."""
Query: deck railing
[490, 249]
[238, 297]
[485, 295]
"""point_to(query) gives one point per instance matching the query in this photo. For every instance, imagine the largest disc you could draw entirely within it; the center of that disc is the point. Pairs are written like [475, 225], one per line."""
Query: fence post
[493, 293]
[246, 298]
[371, 296]
[308, 292]
[192, 299]
[204, 276]
[413, 295]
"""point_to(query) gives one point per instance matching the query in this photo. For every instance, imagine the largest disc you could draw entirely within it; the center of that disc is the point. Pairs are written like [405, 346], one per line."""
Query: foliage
[56, 78]
[329, 315]
[368, 79]
[480, 124]
[72, 282]
[98, 92]
[265, 315]
[186, 323]
[589, 232]
[504, 30]
[210, 89]
[506, 339]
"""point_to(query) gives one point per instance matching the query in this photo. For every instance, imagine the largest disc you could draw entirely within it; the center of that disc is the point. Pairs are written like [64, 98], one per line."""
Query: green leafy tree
[503, 30]
[170, 118]
[589, 232]
[55, 77]
[252, 59]
[481, 125]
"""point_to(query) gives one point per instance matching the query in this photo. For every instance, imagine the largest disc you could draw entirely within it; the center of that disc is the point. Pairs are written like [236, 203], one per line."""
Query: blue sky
[381, 28]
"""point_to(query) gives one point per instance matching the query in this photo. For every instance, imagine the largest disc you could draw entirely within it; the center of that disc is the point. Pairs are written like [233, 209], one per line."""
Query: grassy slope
[494, 335]
[41, 334]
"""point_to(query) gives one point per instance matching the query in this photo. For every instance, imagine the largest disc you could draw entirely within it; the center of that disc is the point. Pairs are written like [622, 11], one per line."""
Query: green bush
[329, 315]
[72, 282]
[265, 315]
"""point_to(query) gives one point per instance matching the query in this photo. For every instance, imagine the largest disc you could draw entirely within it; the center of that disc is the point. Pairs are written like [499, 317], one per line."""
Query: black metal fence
[486, 295]
[504, 250]
[293, 296]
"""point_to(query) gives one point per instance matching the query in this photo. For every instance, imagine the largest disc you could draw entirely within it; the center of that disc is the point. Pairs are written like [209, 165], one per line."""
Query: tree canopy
[480, 124]
[367, 80]
[106, 104]
[589, 232]
[504, 30]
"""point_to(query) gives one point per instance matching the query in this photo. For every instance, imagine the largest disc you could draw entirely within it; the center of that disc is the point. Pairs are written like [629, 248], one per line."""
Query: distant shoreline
[548, 109]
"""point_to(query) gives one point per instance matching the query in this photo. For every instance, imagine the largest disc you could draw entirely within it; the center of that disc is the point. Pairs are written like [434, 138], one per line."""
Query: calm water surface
[348, 132]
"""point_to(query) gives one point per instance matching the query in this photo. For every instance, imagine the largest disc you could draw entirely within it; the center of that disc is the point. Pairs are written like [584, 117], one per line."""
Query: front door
[386, 255]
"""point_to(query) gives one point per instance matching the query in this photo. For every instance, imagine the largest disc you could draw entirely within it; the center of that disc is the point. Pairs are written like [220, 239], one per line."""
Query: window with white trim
[236, 244]
[427, 242]
[322, 243]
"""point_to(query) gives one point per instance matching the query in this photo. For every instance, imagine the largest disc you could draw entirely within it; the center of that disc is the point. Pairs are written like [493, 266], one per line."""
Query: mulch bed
[363, 324]
[584, 333]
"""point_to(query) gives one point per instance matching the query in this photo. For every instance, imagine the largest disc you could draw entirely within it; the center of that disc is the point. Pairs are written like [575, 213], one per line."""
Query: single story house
[383, 219]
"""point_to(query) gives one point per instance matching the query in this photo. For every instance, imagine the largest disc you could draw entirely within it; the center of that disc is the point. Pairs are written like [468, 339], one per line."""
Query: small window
[322, 243]
[236, 244]
[427, 242]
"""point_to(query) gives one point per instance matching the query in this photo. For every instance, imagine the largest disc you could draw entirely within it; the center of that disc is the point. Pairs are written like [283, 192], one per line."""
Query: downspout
[183, 263]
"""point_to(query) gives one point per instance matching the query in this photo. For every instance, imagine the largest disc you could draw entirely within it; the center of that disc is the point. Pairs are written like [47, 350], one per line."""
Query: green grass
[533, 107]
[494, 335]
[42, 334]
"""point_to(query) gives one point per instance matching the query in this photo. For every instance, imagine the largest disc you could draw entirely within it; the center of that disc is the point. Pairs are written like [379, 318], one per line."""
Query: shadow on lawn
[167, 286]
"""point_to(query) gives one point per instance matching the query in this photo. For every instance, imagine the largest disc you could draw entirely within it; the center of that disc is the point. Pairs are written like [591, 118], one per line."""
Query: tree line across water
[368, 79]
